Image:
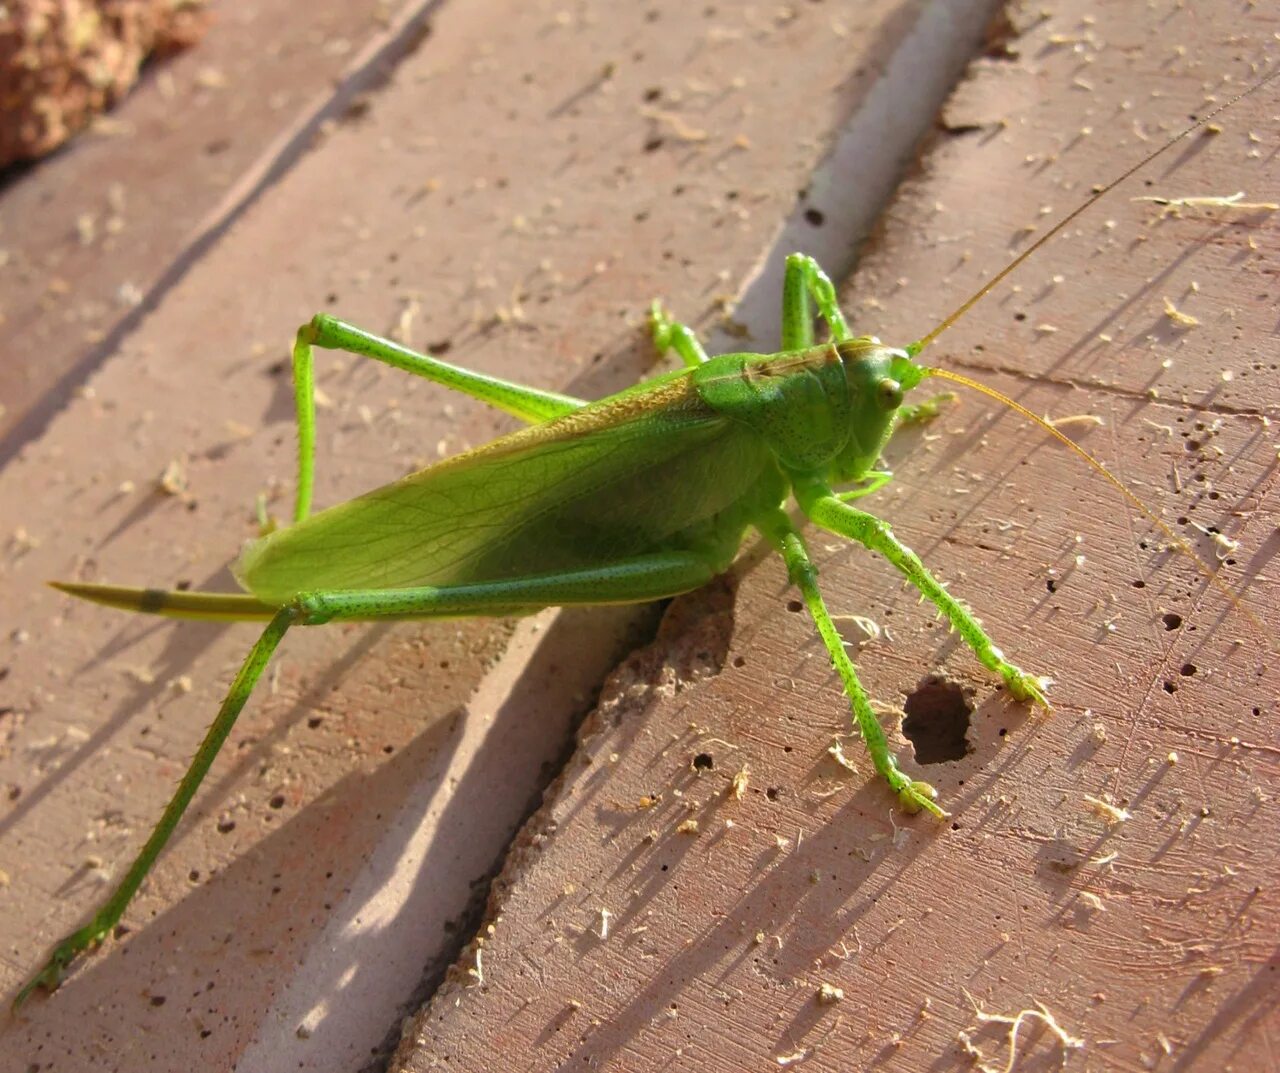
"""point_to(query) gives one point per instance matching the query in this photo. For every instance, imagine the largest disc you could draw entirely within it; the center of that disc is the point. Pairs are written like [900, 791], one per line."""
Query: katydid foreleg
[871, 482]
[821, 506]
[804, 282]
[913, 795]
[529, 404]
[804, 285]
[670, 334]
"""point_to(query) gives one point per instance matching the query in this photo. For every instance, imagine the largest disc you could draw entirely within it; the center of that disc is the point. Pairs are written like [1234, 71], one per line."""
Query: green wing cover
[633, 473]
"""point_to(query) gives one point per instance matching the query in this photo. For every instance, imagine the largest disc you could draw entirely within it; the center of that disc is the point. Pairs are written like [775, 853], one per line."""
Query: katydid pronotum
[639, 496]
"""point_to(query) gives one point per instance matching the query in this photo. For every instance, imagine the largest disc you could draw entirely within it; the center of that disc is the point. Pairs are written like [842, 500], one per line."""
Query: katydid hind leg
[825, 509]
[529, 404]
[109, 913]
[670, 334]
[634, 580]
[913, 795]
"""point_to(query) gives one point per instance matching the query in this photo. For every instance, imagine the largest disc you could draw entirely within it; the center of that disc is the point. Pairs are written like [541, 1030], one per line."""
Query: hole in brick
[937, 721]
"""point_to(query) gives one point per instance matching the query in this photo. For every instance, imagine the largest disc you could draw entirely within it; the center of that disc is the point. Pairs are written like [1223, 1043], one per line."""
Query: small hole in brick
[703, 762]
[1171, 621]
[937, 721]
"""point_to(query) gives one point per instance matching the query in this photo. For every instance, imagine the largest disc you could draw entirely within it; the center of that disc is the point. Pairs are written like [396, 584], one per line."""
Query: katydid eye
[890, 392]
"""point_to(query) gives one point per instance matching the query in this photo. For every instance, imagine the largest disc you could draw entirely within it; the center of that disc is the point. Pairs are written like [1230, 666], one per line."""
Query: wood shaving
[1041, 1013]
[1177, 317]
[1113, 814]
[1231, 201]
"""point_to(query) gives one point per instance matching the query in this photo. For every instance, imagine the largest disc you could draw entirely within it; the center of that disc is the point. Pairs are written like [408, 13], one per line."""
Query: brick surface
[519, 214]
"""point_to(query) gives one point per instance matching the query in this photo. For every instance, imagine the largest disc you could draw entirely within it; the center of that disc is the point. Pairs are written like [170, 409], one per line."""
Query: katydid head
[878, 377]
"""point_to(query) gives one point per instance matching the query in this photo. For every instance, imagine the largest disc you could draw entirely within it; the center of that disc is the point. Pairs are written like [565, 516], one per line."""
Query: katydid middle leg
[804, 284]
[824, 508]
[913, 794]
[529, 404]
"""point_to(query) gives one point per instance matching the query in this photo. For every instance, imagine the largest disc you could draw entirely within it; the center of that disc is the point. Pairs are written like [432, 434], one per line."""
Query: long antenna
[1175, 540]
[1088, 203]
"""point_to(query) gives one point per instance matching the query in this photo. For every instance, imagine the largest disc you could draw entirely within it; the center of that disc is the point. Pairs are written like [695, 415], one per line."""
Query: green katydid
[639, 496]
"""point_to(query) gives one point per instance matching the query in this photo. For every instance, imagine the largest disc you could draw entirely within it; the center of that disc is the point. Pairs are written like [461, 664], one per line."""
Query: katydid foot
[62, 956]
[915, 795]
[1024, 686]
